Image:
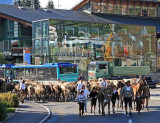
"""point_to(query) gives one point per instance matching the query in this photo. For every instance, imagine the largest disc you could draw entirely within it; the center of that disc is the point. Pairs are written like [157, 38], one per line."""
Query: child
[138, 102]
[93, 96]
[114, 97]
[81, 101]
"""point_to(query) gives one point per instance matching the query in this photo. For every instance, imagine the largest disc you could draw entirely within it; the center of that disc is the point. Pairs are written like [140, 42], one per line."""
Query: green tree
[28, 3]
[37, 3]
[23, 2]
[2, 59]
[50, 4]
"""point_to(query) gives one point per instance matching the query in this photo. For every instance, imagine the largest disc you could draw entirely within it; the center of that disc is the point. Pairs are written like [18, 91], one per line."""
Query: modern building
[78, 36]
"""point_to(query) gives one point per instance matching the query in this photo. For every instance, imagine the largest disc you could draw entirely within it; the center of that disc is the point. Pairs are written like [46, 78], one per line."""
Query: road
[68, 112]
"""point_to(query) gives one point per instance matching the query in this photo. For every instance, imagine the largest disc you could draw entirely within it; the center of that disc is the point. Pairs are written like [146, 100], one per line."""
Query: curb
[7, 118]
[48, 115]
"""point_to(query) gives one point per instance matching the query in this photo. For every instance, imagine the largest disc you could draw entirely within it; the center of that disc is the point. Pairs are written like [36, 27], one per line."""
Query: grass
[10, 110]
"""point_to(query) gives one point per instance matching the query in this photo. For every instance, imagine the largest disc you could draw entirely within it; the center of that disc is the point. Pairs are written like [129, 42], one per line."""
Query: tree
[50, 4]
[28, 3]
[37, 3]
[2, 59]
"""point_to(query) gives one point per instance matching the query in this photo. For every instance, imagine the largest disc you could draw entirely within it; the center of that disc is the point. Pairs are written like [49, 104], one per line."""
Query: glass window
[138, 10]
[103, 66]
[131, 10]
[45, 47]
[92, 67]
[151, 11]
[37, 30]
[38, 47]
[118, 9]
[96, 6]
[104, 7]
[65, 70]
[111, 8]
[124, 10]
[45, 28]
[145, 11]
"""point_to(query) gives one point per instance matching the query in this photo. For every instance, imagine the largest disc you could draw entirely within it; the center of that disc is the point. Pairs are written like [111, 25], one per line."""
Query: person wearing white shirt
[86, 93]
[104, 83]
[23, 93]
[138, 80]
[79, 87]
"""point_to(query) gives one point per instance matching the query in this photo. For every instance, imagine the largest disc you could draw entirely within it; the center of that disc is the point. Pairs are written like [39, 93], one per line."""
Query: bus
[47, 72]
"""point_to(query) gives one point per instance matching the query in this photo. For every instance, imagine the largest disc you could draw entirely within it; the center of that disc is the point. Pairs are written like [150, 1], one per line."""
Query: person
[139, 79]
[23, 93]
[82, 77]
[81, 101]
[93, 97]
[7, 79]
[86, 93]
[127, 92]
[104, 83]
[114, 98]
[138, 102]
[79, 87]
[145, 95]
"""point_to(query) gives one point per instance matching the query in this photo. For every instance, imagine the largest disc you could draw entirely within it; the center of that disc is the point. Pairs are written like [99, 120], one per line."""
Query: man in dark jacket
[93, 96]
[82, 77]
[114, 98]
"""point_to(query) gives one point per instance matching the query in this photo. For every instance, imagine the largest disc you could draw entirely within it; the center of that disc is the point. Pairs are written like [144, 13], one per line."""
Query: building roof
[29, 14]
[131, 20]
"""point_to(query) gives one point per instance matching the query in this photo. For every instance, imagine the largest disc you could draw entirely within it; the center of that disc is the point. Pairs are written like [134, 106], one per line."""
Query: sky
[63, 4]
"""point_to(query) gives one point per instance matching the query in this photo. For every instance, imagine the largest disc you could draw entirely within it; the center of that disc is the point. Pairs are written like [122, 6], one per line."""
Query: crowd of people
[126, 94]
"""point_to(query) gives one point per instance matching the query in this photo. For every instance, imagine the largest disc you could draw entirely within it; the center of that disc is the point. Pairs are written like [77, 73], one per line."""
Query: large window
[85, 42]
[65, 70]
[104, 7]
[144, 11]
[138, 10]
[96, 6]
[118, 8]
[124, 10]
[131, 10]
[111, 8]
[151, 11]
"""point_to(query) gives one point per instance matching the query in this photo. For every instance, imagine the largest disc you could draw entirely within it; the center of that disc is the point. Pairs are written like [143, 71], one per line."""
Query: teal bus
[47, 72]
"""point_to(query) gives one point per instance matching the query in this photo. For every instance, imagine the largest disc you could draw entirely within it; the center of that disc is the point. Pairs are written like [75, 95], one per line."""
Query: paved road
[68, 112]
[28, 113]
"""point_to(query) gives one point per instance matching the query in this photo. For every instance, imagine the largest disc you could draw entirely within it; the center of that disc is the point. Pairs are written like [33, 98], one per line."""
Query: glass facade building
[14, 37]
[80, 42]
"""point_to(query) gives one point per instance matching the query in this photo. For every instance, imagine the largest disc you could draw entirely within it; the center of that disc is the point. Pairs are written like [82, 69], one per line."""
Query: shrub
[3, 113]
[9, 99]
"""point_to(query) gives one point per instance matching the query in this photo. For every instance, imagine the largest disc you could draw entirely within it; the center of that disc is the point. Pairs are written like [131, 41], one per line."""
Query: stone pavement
[155, 93]
[28, 112]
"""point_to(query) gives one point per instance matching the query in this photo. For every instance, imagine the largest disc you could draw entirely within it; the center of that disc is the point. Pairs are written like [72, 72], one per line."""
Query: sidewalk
[28, 112]
[155, 93]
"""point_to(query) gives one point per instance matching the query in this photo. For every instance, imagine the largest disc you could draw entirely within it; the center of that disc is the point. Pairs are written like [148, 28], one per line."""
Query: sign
[27, 58]
[75, 54]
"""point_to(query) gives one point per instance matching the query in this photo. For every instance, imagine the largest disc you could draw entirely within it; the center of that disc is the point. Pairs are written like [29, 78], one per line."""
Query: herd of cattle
[59, 91]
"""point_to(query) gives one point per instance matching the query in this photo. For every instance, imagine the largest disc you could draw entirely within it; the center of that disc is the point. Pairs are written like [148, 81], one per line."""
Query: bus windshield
[92, 67]
[65, 70]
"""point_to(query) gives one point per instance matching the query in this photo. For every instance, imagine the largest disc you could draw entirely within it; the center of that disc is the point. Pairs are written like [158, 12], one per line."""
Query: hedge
[9, 99]
[3, 113]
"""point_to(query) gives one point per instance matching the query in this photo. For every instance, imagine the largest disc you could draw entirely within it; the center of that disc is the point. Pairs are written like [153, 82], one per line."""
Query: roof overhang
[15, 19]
[82, 3]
